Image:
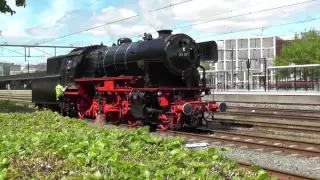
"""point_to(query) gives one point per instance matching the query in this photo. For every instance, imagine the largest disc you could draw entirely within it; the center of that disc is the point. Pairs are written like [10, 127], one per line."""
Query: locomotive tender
[153, 82]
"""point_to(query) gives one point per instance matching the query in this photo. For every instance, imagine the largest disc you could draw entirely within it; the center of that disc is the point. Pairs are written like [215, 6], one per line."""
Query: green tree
[5, 8]
[206, 65]
[304, 49]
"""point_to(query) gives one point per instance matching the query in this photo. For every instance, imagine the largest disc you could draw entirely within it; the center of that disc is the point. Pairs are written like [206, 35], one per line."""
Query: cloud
[12, 27]
[225, 16]
[202, 16]
[132, 26]
[50, 21]
[205, 16]
[57, 10]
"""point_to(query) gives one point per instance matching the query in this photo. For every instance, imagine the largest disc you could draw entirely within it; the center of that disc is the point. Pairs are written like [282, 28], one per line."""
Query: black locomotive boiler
[154, 81]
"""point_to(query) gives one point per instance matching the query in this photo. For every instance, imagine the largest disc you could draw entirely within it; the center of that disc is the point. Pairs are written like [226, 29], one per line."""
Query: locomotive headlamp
[159, 93]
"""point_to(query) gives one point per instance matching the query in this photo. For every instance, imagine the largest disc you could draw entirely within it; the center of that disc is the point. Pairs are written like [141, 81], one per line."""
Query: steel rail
[272, 110]
[292, 117]
[264, 124]
[260, 145]
[280, 174]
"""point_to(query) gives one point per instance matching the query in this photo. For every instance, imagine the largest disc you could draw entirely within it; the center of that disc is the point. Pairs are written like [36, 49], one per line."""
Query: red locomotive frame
[117, 89]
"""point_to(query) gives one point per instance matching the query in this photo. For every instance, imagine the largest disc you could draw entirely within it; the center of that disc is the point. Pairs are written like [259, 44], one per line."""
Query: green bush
[44, 145]
[9, 107]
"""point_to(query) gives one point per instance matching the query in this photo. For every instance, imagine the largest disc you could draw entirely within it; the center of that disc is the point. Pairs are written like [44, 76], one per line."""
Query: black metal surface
[43, 89]
[137, 101]
[169, 60]
[126, 58]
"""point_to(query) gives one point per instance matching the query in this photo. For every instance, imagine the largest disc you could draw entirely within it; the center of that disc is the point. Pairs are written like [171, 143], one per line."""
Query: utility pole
[25, 57]
[265, 74]
[232, 68]
[248, 67]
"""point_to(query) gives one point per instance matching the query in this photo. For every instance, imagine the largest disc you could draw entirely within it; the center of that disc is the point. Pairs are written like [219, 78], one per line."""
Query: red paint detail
[117, 89]
[163, 101]
[213, 107]
[94, 108]
[108, 86]
[163, 121]
[71, 93]
[132, 123]
[106, 79]
[125, 107]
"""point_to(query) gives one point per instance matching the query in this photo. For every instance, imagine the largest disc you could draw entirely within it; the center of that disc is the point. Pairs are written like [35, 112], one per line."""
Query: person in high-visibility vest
[59, 95]
[59, 91]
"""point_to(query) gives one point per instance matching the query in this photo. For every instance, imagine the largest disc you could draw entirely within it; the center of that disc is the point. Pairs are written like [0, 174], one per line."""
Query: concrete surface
[272, 97]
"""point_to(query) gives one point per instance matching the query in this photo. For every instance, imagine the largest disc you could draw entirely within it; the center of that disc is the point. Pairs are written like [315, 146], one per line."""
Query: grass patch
[44, 145]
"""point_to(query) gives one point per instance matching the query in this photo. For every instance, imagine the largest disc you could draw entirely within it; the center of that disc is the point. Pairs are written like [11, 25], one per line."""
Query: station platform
[311, 97]
[235, 96]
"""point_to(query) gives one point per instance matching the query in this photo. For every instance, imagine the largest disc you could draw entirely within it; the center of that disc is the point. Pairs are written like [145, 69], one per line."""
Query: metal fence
[293, 78]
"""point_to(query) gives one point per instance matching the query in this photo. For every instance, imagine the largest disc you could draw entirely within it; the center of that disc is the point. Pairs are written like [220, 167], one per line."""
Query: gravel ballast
[298, 165]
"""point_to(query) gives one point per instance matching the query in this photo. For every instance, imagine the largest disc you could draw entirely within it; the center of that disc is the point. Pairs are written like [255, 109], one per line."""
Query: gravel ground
[298, 165]
[279, 106]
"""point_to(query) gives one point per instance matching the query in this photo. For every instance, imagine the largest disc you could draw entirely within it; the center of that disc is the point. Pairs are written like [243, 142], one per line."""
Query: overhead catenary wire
[262, 27]
[231, 11]
[230, 17]
[66, 14]
[176, 27]
[113, 22]
[137, 36]
[116, 21]
[249, 13]
[41, 25]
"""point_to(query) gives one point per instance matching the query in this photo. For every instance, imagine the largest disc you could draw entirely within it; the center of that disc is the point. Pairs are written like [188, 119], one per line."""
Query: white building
[239, 50]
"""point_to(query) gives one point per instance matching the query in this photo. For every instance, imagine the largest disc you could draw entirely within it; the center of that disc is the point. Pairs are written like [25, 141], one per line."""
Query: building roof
[287, 37]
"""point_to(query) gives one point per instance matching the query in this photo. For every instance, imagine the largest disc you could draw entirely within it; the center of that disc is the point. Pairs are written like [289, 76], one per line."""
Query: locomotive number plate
[183, 54]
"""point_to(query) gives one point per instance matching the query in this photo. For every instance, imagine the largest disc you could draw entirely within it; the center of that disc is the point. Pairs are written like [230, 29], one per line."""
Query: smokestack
[164, 33]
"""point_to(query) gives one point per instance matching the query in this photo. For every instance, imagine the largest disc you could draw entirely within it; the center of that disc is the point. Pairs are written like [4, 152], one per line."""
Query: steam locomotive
[152, 82]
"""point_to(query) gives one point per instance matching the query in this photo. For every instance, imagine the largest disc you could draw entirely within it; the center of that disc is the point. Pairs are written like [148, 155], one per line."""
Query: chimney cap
[164, 32]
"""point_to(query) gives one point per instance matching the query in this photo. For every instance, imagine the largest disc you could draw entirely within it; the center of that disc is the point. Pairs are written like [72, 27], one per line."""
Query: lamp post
[248, 67]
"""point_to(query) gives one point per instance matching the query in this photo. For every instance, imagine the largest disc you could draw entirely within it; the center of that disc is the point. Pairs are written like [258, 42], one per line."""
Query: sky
[75, 22]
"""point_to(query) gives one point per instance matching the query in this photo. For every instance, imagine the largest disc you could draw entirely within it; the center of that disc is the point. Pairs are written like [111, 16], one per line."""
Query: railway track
[274, 110]
[281, 175]
[250, 141]
[289, 147]
[258, 143]
[255, 142]
[289, 126]
[297, 115]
